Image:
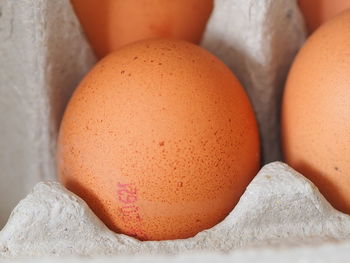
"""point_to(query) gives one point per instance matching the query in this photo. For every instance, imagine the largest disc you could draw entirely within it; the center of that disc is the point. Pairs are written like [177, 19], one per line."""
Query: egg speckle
[165, 152]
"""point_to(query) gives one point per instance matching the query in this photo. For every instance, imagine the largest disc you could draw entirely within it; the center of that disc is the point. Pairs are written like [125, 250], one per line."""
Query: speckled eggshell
[316, 111]
[160, 140]
[316, 12]
[110, 24]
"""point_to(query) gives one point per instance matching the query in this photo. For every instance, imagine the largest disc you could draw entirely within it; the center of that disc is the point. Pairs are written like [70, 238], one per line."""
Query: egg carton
[281, 217]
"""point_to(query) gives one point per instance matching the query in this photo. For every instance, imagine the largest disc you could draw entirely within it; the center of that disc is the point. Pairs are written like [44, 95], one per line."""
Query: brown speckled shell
[316, 111]
[160, 140]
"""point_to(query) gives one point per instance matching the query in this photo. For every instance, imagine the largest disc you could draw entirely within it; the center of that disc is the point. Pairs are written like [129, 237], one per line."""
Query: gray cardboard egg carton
[43, 54]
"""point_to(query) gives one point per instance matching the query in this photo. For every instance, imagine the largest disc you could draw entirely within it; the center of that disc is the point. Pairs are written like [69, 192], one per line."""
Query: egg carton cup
[280, 208]
[281, 217]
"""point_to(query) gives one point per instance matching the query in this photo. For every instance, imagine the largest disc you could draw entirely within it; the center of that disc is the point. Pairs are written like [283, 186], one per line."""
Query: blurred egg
[160, 140]
[316, 111]
[317, 12]
[110, 24]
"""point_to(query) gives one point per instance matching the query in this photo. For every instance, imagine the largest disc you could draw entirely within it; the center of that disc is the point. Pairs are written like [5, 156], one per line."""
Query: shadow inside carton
[93, 201]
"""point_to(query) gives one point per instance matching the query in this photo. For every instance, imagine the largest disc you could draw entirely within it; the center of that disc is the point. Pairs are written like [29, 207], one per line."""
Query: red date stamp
[127, 193]
[130, 211]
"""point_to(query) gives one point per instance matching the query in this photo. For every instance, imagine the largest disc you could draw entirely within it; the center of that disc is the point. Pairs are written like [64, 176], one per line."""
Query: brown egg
[160, 140]
[110, 24]
[316, 111]
[317, 12]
